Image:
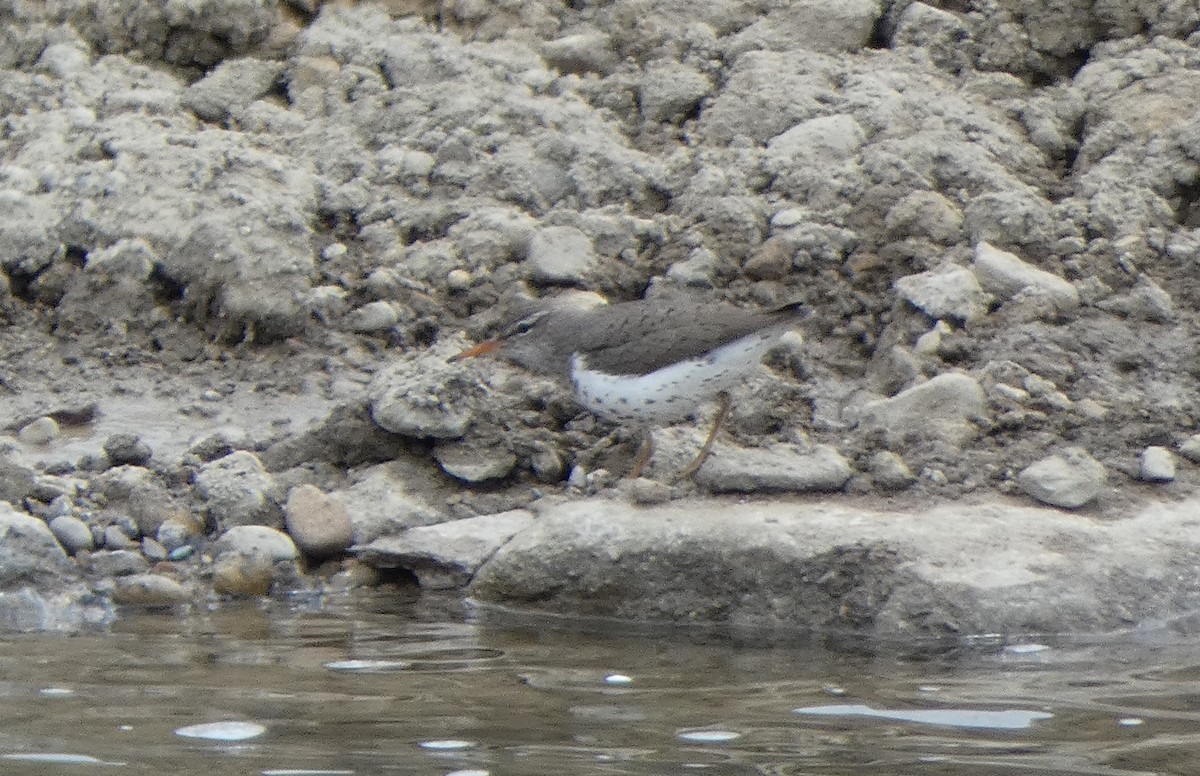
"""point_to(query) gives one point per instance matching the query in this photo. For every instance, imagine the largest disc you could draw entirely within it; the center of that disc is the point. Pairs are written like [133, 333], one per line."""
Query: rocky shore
[240, 240]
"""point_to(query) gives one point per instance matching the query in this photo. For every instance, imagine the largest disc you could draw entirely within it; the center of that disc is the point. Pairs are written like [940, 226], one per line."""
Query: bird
[646, 360]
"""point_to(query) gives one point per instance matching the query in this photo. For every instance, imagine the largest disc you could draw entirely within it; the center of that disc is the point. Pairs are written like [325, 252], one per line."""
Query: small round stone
[318, 523]
[72, 533]
[458, 280]
[1158, 464]
[39, 432]
[127, 450]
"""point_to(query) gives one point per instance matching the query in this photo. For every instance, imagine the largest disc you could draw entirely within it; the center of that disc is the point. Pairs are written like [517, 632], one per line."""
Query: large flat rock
[955, 570]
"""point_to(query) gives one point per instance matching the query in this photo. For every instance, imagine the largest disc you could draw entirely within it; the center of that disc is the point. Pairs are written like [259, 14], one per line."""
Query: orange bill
[482, 348]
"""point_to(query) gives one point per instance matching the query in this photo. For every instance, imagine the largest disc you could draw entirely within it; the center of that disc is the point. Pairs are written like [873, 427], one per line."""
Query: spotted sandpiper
[649, 360]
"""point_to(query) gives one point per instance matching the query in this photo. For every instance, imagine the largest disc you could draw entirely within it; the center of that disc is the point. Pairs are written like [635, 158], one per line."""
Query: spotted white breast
[673, 392]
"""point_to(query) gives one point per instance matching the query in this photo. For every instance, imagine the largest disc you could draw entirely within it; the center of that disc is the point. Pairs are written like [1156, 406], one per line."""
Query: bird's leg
[725, 404]
[645, 450]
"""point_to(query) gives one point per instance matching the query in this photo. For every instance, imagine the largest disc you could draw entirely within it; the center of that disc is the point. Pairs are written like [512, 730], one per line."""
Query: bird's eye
[524, 325]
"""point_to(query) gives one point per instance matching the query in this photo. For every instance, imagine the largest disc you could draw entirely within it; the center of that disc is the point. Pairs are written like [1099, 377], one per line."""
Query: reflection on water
[400, 686]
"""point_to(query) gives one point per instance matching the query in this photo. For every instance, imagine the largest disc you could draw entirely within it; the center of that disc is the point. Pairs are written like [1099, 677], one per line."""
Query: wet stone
[250, 540]
[127, 450]
[243, 576]
[318, 523]
[72, 533]
[150, 590]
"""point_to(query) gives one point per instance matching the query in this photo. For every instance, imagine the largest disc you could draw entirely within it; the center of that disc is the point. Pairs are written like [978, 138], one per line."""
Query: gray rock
[249, 540]
[671, 91]
[317, 522]
[219, 443]
[150, 590]
[937, 33]
[889, 471]
[1069, 479]
[1145, 301]
[581, 53]
[561, 255]
[116, 563]
[29, 553]
[780, 468]
[237, 490]
[947, 292]
[770, 565]
[243, 575]
[446, 555]
[174, 533]
[1005, 275]
[137, 492]
[373, 317]
[380, 504]
[925, 214]
[127, 449]
[1190, 448]
[1157, 464]
[117, 539]
[231, 85]
[153, 550]
[940, 408]
[72, 533]
[420, 395]
[473, 462]
[42, 431]
[810, 26]
[16, 481]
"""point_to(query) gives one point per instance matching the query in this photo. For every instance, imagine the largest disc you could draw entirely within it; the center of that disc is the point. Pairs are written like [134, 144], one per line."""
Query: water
[399, 685]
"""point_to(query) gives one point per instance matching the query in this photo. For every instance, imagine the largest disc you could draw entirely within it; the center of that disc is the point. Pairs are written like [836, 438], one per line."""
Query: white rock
[39, 432]
[249, 540]
[941, 408]
[1070, 479]
[947, 292]
[1158, 464]
[780, 468]
[1005, 275]
[561, 254]
[236, 489]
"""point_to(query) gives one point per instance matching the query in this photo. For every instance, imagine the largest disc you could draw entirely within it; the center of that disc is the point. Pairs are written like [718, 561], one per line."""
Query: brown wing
[640, 337]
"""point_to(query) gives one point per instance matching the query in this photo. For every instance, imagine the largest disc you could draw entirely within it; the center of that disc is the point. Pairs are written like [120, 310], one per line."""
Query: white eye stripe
[524, 325]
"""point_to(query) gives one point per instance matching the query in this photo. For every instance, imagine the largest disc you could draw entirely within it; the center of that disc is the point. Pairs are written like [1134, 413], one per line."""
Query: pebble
[72, 533]
[150, 590]
[117, 539]
[153, 550]
[940, 408]
[236, 490]
[219, 443]
[1158, 464]
[474, 463]
[780, 468]
[127, 450]
[1190, 448]
[373, 317]
[1005, 274]
[16, 481]
[116, 563]
[458, 280]
[239, 575]
[318, 523]
[42, 431]
[889, 471]
[175, 533]
[421, 395]
[561, 255]
[947, 292]
[256, 540]
[1069, 479]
